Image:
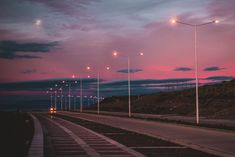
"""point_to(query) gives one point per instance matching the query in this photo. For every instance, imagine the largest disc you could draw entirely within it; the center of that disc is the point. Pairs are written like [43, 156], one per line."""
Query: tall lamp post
[56, 96]
[115, 54]
[195, 26]
[98, 88]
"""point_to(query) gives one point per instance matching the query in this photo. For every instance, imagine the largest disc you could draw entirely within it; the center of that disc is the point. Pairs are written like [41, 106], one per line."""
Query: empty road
[213, 141]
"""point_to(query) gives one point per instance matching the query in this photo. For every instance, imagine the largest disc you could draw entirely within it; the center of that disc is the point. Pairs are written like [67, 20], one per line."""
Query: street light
[115, 54]
[195, 26]
[98, 88]
[56, 96]
[61, 99]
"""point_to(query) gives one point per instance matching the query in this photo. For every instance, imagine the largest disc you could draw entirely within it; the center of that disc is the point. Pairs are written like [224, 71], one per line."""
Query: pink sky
[88, 32]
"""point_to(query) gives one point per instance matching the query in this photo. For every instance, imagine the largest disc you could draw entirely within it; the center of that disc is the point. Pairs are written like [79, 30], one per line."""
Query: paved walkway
[36, 148]
[212, 141]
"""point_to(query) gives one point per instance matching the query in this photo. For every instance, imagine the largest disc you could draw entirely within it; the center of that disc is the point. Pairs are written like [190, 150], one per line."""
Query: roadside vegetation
[216, 101]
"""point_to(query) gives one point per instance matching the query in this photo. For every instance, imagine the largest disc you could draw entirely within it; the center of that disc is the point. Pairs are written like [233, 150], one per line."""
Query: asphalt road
[187, 119]
[212, 141]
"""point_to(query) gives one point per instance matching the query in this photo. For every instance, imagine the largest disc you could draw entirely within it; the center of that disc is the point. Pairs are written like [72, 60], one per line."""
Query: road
[212, 141]
[64, 138]
[187, 119]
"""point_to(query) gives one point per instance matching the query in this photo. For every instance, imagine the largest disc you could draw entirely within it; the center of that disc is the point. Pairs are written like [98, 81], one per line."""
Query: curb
[36, 147]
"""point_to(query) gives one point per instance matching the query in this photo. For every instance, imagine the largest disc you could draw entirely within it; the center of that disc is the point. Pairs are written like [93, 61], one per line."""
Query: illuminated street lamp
[195, 26]
[61, 99]
[115, 54]
[98, 88]
[73, 76]
[56, 96]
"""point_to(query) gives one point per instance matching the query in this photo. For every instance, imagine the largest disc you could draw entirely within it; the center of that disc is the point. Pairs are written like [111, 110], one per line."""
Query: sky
[53, 40]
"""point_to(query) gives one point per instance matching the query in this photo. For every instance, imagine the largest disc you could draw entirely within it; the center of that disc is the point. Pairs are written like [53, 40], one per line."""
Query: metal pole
[69, 96]
[61, 99]
[80, 94]
[196, 73]
[55, 99]
[74, 102]
[98, 93]
[129, 86]
[51, 99]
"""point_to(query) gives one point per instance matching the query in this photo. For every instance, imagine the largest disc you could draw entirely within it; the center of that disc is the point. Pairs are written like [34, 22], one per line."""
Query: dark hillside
[215, 101]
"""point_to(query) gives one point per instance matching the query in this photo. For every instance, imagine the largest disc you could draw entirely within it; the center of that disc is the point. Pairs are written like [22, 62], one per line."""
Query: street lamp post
[51, 96]
[61, 99]
[115, 53]
[80, 94]
[56, 96]
[195, 26]
[69, 95]
[98, 88]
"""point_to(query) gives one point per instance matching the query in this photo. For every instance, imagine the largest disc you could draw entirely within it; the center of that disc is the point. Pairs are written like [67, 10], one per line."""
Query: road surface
[212, 141]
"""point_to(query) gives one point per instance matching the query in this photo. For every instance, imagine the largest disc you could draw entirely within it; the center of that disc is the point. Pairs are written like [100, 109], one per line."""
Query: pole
[129, 86]
[51, 99]
[196, 73]
[98, 93]
[80, 94]
[74, 102]
[61, 99]
[69, 95]
[55, 99]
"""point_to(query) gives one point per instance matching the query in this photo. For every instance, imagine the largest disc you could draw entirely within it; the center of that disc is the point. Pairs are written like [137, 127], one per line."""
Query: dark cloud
[12, 49]
[69, 7]
[131, 70]
[43, 85]
[220, 78]
[29, 71]
[213, 68]
[149, 81]
[183, 69]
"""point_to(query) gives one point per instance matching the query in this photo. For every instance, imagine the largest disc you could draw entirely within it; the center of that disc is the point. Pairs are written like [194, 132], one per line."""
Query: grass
[216, 101]
[16, 134]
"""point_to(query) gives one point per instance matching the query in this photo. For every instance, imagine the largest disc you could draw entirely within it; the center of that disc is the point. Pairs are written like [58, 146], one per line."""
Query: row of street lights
[115, 54]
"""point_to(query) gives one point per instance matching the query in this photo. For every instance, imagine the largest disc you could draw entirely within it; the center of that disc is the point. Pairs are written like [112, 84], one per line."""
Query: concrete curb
[36, 147]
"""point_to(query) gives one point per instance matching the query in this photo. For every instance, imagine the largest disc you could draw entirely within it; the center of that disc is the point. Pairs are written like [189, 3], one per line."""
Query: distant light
[108, 68]
[56, 85]
[63, 81]
[216, 21]
[38, 22]
[88, 67]
[73, 76]
[173, 21]
[88, 76]
[50, 88]
[115, 53]
[76, 81]
[141, 53]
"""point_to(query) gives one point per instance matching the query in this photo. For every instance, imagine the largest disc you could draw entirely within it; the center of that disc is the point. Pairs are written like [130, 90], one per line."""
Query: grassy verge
[16, 134]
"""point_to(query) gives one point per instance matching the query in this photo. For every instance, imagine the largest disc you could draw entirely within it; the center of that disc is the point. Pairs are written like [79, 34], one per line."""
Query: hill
[215, 101]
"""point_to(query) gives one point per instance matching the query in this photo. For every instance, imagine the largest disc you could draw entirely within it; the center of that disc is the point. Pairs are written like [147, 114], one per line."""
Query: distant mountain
[215, 101]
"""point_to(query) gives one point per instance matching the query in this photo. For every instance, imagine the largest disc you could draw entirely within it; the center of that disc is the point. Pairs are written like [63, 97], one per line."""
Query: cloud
[12, 49]
[220, 78]
[43, 85]
[131, 70]
[213, 68]
[183, 69]
[29, 71]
